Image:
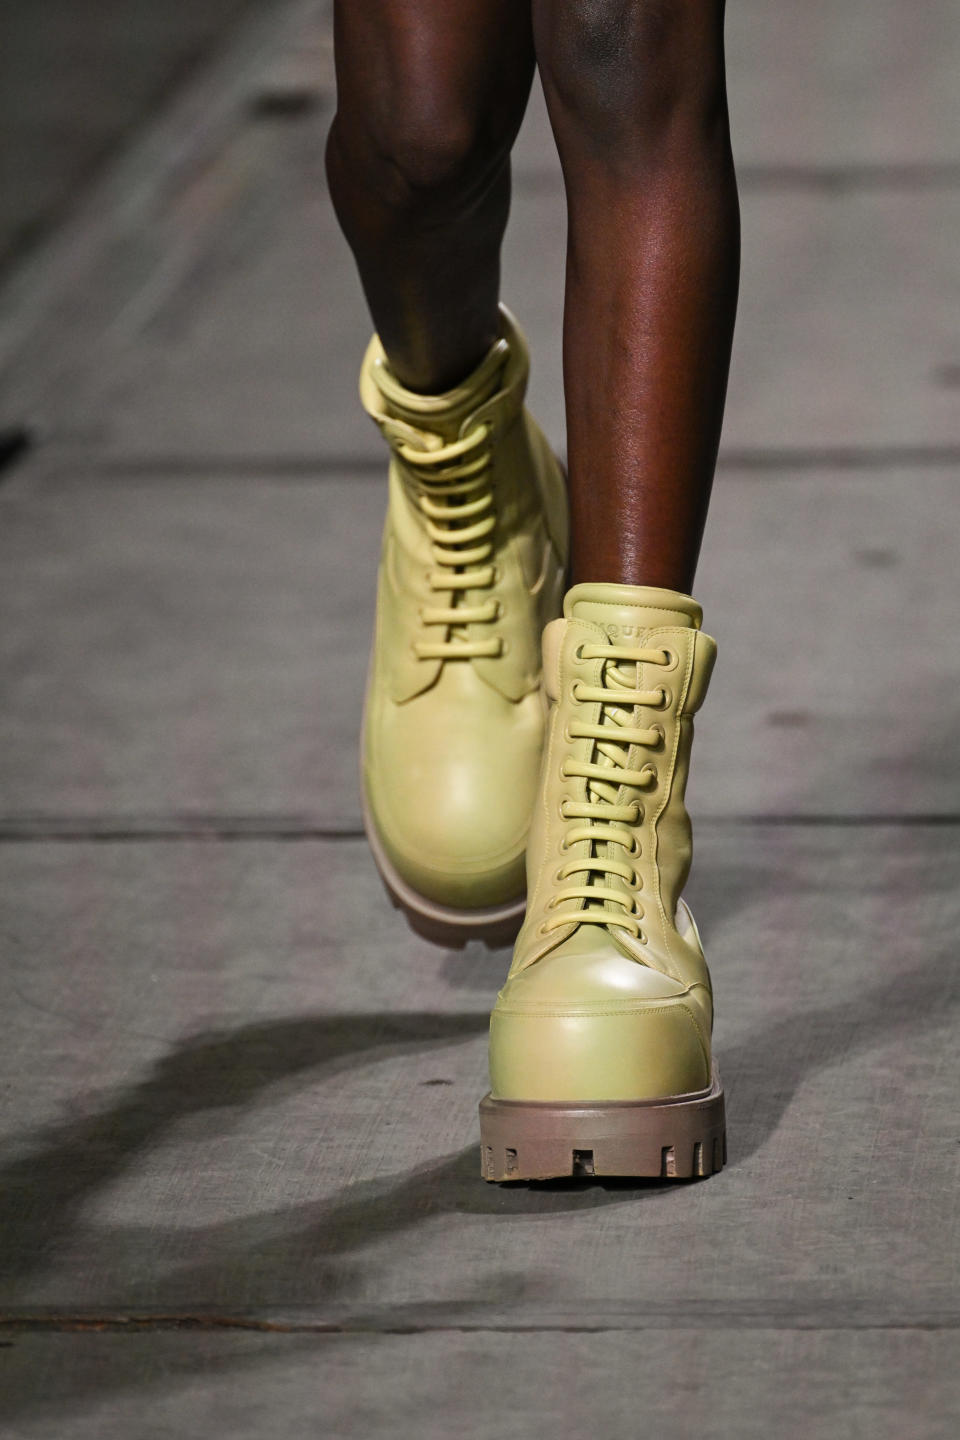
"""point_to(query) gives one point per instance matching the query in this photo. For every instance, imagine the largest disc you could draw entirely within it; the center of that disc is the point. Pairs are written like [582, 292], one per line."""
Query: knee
[419, 152]
[624, 74]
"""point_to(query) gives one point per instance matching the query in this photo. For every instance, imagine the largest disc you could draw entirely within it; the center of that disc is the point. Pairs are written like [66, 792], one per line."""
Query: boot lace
[605, 816]
[451, 483]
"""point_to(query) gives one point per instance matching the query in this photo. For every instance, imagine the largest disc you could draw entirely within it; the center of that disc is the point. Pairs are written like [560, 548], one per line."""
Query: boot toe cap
[452, 851]
[450, 797]
[598, 1027]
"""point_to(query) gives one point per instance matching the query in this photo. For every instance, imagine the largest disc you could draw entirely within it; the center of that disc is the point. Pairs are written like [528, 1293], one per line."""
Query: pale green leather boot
[600, 1058]
[472, 568]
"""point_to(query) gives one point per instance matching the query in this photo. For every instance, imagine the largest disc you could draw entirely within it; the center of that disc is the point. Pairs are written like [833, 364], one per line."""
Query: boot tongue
[443, 414]
[624, 610]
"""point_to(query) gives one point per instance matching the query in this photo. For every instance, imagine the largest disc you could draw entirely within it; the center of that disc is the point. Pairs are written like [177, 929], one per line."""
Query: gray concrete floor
[238, 1170]
[75, 77]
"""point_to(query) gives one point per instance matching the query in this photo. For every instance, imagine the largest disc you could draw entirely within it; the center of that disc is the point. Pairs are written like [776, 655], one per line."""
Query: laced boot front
[472, 566]
[600, 1054]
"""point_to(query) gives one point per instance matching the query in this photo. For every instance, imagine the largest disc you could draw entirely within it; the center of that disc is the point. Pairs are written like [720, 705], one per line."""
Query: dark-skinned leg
[430, 96]
[600, 1050]
[637, 99]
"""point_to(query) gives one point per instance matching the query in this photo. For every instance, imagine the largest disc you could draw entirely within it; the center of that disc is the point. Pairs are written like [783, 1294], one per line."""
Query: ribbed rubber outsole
[679, 1137]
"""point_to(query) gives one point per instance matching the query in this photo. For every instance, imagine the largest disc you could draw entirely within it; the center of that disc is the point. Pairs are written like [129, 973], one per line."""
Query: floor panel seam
[67, 830]
[118, 1325]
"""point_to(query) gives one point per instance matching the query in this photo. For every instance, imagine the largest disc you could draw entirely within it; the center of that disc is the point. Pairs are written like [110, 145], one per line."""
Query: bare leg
[430, 95]
[637, 99]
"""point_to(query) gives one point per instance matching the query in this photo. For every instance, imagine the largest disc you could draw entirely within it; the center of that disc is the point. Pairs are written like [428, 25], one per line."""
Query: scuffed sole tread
[679, 1137]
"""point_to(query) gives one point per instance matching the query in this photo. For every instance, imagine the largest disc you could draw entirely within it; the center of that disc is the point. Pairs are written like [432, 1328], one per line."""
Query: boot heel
[680, 1137]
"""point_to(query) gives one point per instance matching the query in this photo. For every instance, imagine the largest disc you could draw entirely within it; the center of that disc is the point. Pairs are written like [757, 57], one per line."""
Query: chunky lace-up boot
[600, 1040]
[474, 553]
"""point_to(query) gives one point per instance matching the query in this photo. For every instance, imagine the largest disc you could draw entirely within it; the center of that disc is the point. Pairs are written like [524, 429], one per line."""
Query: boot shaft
[475, 538]
[625, 670]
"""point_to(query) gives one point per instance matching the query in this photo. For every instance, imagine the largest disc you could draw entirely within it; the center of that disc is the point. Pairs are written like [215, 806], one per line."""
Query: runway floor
[239, 1175]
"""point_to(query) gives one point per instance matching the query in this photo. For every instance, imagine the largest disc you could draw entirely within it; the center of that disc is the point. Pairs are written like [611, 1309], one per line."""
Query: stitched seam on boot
[666, 924]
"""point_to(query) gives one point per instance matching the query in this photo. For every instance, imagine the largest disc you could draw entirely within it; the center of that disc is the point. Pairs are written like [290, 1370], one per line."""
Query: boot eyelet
[641, 937]
[578, 652]
[660, 733]
[637, 880]
[673, 659]
[559, 876]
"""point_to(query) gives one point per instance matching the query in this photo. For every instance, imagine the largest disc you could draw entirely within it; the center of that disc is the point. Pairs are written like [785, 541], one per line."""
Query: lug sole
[495, 926]
[678, 1137]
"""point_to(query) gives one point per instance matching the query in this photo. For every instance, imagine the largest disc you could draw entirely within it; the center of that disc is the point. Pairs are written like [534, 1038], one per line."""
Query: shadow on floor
[42, 1193]
[296, 1255]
